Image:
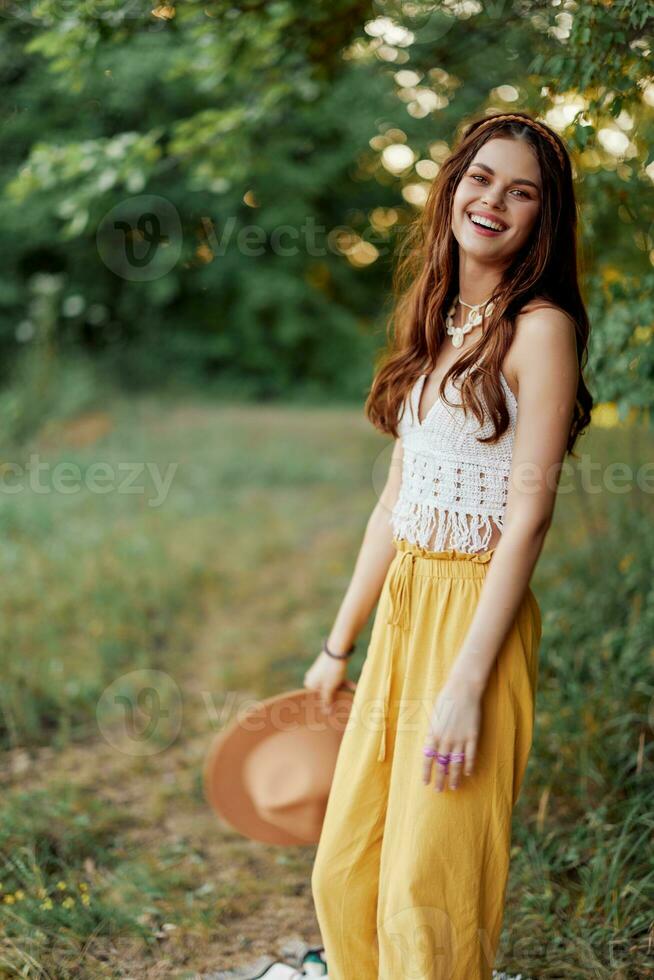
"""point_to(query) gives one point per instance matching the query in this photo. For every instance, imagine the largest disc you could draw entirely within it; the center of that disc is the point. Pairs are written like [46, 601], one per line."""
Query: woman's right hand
[325, 675]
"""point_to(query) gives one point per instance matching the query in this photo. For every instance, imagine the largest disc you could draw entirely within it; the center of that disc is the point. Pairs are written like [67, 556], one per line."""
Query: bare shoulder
[540, 305]
[544, 350]
[544, 338]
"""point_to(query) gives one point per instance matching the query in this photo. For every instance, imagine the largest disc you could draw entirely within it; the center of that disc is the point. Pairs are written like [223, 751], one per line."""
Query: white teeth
[478, 220]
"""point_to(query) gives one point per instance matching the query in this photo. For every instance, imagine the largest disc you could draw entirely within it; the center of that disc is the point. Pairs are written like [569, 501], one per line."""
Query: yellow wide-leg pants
[409, 883]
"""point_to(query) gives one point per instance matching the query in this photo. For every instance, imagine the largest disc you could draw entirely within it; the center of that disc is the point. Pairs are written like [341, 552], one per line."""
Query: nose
[492, 200]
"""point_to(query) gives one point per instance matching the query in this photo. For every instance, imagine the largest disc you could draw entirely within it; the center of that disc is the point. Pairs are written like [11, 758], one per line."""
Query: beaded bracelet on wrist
[338, 656]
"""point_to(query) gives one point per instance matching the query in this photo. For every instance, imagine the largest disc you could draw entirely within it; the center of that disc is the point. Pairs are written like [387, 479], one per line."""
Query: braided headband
[541, 130]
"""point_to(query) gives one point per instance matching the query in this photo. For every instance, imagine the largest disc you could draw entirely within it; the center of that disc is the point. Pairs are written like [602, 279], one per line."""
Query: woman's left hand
[454, 727]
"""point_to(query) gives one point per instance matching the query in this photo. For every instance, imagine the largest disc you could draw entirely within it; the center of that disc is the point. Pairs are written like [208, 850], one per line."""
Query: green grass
[229, 585]
[57, 846]
[582, 873]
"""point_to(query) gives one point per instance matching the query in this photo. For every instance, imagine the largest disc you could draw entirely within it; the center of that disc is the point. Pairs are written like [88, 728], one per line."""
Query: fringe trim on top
[454, 530]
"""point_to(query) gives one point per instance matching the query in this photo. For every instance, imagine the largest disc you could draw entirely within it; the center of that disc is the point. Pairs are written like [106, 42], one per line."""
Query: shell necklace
[475, 317]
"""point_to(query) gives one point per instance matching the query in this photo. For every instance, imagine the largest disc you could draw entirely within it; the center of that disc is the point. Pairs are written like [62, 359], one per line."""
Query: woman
[411, 869]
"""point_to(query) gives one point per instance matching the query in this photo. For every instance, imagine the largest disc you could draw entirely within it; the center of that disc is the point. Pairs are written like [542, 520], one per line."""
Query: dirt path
[248, 908]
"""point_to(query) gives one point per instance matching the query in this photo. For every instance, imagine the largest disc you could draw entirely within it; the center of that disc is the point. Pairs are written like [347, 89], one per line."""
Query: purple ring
[430, 752]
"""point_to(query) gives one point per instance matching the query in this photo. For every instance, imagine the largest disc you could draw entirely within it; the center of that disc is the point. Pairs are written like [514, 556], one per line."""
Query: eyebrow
[516, 180]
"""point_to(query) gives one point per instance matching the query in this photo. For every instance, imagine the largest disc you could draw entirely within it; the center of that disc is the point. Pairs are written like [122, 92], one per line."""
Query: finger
[454, 774]
[471, 753]
[428, 761]
[431, 742]
[441, 773]
[327, 697]
[441, 768]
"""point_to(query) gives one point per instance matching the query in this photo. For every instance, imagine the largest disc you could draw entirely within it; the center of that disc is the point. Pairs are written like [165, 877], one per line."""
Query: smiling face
[503, 185]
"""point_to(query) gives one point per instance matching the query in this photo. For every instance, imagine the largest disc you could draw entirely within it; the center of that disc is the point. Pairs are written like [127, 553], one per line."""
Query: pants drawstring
[400, 595]
[400, 591]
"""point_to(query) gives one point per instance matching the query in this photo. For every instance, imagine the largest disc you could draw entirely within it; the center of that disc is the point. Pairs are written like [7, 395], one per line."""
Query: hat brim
[224, 788]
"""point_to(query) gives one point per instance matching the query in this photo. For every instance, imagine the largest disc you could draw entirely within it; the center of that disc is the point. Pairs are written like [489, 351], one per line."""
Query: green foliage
[77, 896]
[622, 348]
[582, 869]
[52, 844]
[607, 47]
[255, 125]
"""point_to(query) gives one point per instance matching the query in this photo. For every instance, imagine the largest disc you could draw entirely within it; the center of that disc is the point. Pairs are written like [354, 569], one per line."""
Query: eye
[481, 177]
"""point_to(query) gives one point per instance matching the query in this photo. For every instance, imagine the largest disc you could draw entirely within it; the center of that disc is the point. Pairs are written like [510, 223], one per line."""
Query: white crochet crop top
[453, 487]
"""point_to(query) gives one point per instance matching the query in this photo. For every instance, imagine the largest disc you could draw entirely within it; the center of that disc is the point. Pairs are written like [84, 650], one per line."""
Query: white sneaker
[315, 970]
[281, 971]
[263, 969]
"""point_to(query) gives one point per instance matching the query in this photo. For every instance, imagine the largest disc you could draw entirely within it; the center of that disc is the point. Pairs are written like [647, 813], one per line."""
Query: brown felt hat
[268, 774]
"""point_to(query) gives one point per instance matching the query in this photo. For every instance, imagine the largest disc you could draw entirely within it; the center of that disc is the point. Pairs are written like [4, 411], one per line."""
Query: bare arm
[375, 555]
[547, 370]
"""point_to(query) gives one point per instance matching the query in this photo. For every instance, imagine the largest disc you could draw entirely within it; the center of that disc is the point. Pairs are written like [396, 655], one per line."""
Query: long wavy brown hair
[425, 283]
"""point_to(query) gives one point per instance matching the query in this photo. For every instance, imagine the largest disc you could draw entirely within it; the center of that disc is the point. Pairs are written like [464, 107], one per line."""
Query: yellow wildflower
[625, 562]
[47, 904]
[68, 902]
[61, 885]
[20, 894]
[9, 899]
[643, 334]
[605, 414]
[611, 274]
